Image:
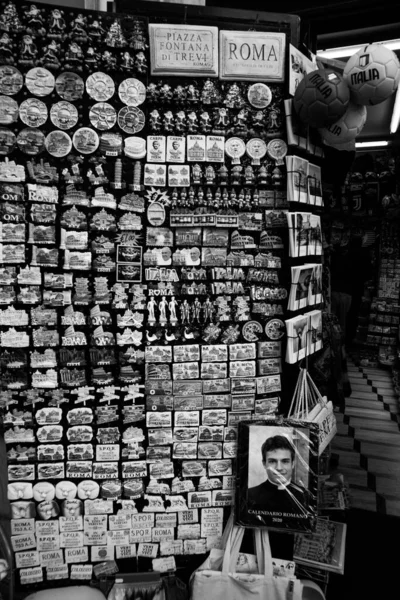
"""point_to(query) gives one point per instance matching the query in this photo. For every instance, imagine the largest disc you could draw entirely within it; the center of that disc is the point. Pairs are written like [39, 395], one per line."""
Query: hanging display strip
[143, 226]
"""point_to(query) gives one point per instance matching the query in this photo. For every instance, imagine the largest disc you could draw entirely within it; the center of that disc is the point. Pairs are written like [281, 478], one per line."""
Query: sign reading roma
[252, 55]
[183, 50]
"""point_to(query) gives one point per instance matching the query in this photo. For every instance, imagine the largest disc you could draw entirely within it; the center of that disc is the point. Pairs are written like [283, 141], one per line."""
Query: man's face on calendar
[279, 466]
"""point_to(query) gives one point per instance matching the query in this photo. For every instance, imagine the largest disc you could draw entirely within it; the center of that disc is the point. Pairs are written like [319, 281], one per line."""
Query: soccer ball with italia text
[321, 98]
[347, 127]
[372, 74]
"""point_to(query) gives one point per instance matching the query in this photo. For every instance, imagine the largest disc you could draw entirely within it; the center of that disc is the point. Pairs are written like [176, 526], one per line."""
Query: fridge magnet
[33, 112]
[131, 119]
[277, 470]
[85, 140]
[58, 144]
[8, 141]
[102, 116]
[39, 81]
[70, 86]
[31, 141]
[11, 80]
[156, 148]
[100, 87]
[132, 92]
[259, 95]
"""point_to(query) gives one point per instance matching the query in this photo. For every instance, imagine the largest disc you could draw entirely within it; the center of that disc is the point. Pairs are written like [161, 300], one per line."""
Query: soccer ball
[372, 74]
[321, 98]
[347, 127]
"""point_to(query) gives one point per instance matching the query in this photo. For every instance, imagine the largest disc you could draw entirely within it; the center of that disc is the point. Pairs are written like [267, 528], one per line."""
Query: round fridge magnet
[40, 82]
[259, 95]
[31, 141]
[11, 80]
[251, 331]
[70, 86]
[85, 140]
[132, 92]
[58, 144]
[131, 119]
[7, 141]
[100, 86]
[33, 112]
[8, 110]
[64, 115]
[275, 329]
[102, 116]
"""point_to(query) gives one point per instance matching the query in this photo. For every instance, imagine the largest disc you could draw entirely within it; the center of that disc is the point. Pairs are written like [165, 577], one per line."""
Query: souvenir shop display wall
[144, 282]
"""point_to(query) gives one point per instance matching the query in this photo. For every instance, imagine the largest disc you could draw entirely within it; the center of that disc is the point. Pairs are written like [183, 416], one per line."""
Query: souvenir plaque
[256, 149]
[235, 148]
[178, 50]
[275, 329]
[132, 92]
[156, 148]
[70, 86]
[58, 144]
[100, 86]
[33, 112]
[277, 149]
[39, 81]
[30, 141]
[176, 149]
[259, 95]
[8, 110]
[131, 119]
[7, 142]
[64, 115]
[102, 116]
[252, 55]
[85, 140]
[11, 80]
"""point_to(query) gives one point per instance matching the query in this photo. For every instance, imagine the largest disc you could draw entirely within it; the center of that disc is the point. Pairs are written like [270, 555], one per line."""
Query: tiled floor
[368, 441]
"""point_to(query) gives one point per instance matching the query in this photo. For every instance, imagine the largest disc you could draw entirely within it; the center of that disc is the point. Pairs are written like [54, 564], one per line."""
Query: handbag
[309, 405]
[225, 583]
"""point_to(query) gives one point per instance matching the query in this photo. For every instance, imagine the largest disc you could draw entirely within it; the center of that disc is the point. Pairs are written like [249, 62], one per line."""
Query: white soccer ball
[372, 74]
[347, 127]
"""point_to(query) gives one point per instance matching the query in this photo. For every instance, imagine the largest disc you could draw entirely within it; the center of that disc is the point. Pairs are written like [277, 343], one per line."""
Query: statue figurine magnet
[74, 57]
[210, 94]
[6, 49]
[162, 307]
[137, 39]
[236, 174]
[92, 59]
[249, 177]
[34, 21]
[220, 121]
[50, 58]
[57, 25]
[240, 126]
[168, 122]
[151, 305]
[179, 95]
[141, 65]
[185, 312]
[172, 306]
[9, 19]
[78, 28]
[152, 93]
[192, 94]
[205, 122]
[180, 122]
[127, 62]
[115, 37]
[197, 174]
[210, 175]
[192, 122]
[27, 52]
[223, 175]
[109, 61]
[165, 93]
[155, 121]
[234, 98]
[96, 31]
